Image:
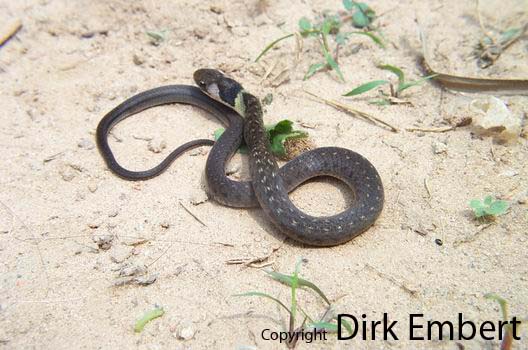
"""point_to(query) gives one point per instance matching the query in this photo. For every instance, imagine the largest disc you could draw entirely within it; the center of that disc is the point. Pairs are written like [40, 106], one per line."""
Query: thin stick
[11, 30]
[192, 214]
[444, 129]
[162, 254]
[427, 187]
[354, 112]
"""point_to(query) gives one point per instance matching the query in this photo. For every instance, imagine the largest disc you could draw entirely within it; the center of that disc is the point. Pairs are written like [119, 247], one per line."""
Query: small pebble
[186, 331]
[138, 60]
[132, 270]
[439, 147]
[92, 187]
[200, 33]
[103, 242]
[120, 254]
[216, 9]
[198, 199]
[439, 242]
[86, 144]
[67, 173]
[146, 280]
[232, 169]
[156, 146]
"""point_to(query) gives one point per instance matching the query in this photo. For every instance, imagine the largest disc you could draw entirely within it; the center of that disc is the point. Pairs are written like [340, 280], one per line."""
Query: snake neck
[254, 131]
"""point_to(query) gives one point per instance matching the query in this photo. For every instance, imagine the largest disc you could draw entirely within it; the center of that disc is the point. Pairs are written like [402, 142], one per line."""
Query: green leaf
[509, 34]
[217, 133]
[147, 317]
[488, 207]
[476, 203]
[157, 37]
[406, 85]
[286, 279]
[503, 303]
[305, 24]
[277, 143]
[220, 131]
[332, 63]
[273, 43]
[399, 73]
[283, 127]
[314, 68]
[363, 16]
[366, 87]
[347, 325]
[348, 4]
[360, 20]
[498, 208]
[331, 327]
[372, 36]
[264, 295]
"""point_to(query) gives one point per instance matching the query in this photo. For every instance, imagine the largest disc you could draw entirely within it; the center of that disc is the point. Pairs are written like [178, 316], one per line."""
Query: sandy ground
[73, 61]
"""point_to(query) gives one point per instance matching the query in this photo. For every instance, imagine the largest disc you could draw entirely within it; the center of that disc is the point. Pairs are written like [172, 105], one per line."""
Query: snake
[241, 113]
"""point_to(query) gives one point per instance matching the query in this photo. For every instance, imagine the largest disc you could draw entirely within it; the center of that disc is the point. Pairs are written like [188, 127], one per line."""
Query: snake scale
[241, 113]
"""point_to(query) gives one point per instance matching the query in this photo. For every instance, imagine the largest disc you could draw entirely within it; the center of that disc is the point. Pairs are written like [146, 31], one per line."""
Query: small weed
[393, 97]
[147, 317]
[278, 134]
[510, 331]
[488, 208]
[295, 282]
[157, 37]
[359, 14]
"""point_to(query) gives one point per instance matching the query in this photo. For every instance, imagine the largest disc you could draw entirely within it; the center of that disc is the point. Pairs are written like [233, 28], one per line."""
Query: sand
[69, 227]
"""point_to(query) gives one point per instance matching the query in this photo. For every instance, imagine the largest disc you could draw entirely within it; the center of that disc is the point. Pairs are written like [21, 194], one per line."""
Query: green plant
[157, 37]
[329, 25]
[509, 328]
[278, 134]
[489, 207]
[147, 317]
[394, 90]
[295, 282]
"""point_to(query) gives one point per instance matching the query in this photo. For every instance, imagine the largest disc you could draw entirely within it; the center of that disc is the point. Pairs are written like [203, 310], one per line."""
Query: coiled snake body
[269, 185]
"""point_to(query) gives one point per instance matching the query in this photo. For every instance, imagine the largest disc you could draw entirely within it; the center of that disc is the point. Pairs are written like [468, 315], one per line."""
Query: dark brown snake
[270, 184]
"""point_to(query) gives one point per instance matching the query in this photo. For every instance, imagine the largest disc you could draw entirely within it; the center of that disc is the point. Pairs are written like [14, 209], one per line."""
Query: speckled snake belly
[270, 184]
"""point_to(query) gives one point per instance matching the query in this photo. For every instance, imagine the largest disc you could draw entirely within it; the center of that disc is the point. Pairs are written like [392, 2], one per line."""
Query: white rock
[186, 331]
[492, 116]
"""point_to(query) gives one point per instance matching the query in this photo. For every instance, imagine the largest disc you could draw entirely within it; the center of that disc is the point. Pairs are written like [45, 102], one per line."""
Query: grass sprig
[330, 27]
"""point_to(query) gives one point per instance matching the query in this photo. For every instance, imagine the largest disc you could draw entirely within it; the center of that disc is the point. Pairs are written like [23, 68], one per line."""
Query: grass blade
[372, 36]
[294, 285]
[287, 279]
[406, 85]
[366, 87]
[147, 317]
[395, 70]
[314, 68]
[502, 303]
[331, 327]
[273, 43]
[264, 295]
[332, 63]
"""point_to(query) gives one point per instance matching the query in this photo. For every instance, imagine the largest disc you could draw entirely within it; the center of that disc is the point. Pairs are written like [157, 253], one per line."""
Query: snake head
[215, 84]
